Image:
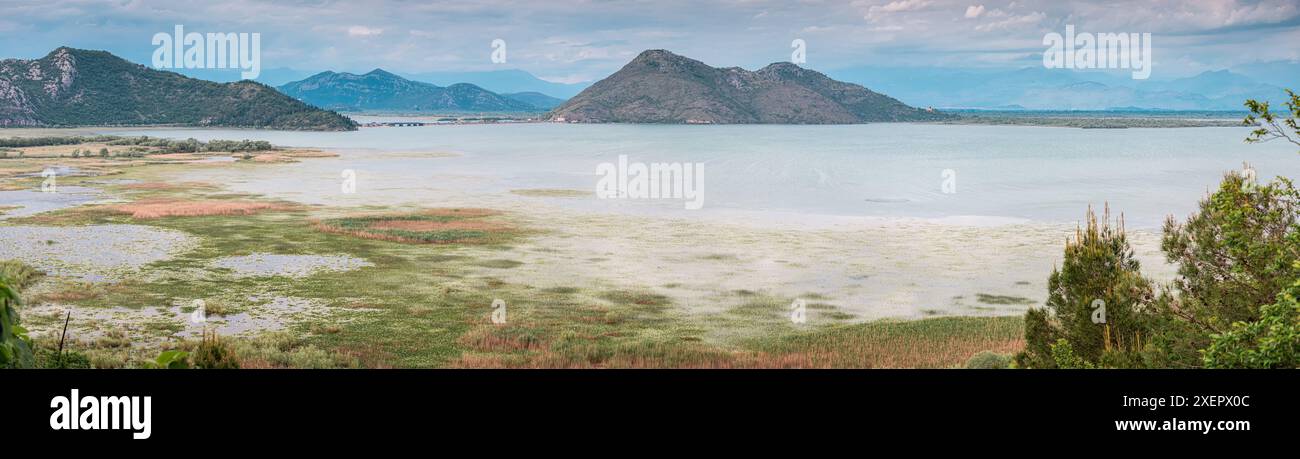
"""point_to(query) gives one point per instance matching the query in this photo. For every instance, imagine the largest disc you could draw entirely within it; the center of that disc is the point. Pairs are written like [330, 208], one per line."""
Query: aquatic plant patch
[432, 226]
[170, 208]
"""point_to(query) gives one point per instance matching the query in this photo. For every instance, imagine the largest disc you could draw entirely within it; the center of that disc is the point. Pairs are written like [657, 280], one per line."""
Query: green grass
[1002, 299]
[928, 343]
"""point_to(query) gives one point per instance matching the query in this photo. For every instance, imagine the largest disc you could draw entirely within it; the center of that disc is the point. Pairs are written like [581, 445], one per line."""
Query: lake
[1017, 173]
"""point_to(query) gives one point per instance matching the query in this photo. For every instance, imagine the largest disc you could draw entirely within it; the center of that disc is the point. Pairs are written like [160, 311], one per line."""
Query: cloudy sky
[570, 41]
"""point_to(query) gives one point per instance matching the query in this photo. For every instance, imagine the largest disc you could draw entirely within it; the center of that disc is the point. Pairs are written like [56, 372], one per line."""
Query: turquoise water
[1043, 174]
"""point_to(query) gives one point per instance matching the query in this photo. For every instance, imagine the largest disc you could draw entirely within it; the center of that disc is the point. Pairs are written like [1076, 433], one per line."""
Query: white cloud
[598, 37]
[1013, 21]
[363, 31]
[898, 6]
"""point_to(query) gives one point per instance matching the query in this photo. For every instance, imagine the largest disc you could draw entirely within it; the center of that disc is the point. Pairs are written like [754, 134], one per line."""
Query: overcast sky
[569, 41]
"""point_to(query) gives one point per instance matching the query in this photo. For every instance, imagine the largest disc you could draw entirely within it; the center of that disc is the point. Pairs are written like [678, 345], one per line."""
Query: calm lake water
[1043, 174]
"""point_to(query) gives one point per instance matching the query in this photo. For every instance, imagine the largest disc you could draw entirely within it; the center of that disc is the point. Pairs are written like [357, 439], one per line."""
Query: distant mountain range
[502, 81]
[74, 87]
[661, 87]
[381, 90]
[536, 99]
[499, 81]
[1037, 88]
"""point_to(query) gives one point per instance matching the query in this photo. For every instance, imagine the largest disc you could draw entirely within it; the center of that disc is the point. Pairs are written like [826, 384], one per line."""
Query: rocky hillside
[74, 87]
[661, 87]
[381, 90]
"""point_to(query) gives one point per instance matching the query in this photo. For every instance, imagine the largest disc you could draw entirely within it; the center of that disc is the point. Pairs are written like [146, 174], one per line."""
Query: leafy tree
[1234, 254]
[1064, 357]
[1096, 300]
[1273, 341]
[1269, 126]
[1237, 253]
[1040, 334]
[15, 346]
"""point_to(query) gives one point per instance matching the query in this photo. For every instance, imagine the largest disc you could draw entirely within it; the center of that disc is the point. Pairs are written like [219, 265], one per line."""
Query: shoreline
[1067, 119]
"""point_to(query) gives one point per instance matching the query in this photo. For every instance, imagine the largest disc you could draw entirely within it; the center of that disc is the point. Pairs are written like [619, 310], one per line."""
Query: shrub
[213, 353]
[50, 358]
[1234, 255]
[989, 360]
[1271, 342]
[1098, 279]
[172, 360]
[15, 346]
[19, 274]
[1064, 356]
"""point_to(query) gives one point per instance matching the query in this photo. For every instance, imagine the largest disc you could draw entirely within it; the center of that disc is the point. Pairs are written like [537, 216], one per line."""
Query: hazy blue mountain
[1037, 88]
[536, 99]
[1284, 74]
[381, 90]
[502, 81]
[75, 87]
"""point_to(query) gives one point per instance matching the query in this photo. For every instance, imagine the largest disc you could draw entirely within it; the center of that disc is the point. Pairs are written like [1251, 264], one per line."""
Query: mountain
[271, 77]
[381, 90]
[502, 81]
[661, 87]
[1038, 88]
[1283, 74]
[74, 87]
[536, 99]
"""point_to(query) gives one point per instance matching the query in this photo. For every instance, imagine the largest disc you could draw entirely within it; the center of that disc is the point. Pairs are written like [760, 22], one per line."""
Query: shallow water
[270, 264]
[1039, 174]
[92, 252]
[31, 202]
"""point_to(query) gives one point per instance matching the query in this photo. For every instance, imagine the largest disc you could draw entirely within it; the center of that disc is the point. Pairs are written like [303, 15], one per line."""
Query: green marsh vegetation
[155, 145]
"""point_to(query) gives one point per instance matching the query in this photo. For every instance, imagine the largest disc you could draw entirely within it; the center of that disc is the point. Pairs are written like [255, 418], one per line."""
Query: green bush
[1273, 341]
[1099, 273]
[989, 360]
[48, 357]
[15, 345]
[213, 353]
[1235, 254]
[1064, 356]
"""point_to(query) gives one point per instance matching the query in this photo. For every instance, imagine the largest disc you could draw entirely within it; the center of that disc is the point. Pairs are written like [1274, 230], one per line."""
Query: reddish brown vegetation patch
[165, 186]
[501, 338]
[170, 208]
[430, 225]
[469, 212]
